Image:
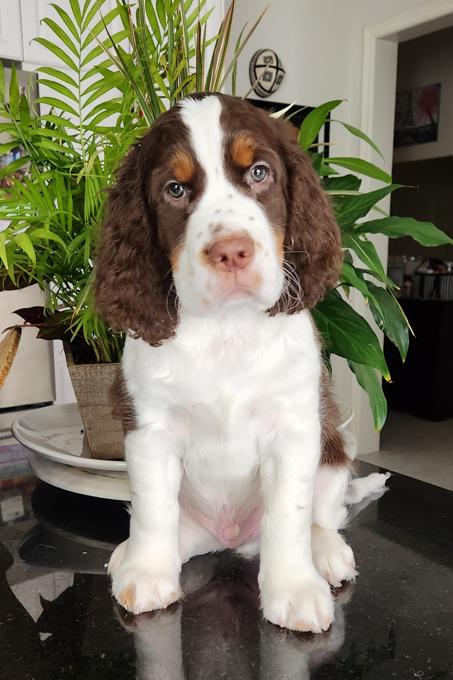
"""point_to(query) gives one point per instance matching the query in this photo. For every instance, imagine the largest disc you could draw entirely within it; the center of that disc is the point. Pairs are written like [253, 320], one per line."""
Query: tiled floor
[13, 462]
[417, 448]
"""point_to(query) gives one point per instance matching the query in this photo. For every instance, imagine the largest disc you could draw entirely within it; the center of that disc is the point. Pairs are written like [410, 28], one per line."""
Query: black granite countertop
[58, 620]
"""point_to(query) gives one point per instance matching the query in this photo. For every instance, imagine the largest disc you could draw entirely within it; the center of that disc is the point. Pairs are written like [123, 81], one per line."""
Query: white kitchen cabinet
[33, 11]
[11, 30]
[30, 380]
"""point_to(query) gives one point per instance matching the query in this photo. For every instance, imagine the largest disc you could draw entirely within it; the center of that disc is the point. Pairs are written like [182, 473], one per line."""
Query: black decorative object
[266, 72]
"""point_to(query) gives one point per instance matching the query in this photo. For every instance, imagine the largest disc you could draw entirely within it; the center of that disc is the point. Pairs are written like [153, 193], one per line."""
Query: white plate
[56, 432]
[88, 483]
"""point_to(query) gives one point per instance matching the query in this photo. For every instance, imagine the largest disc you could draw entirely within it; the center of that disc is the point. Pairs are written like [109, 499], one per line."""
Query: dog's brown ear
[312, 239]
[133, 274]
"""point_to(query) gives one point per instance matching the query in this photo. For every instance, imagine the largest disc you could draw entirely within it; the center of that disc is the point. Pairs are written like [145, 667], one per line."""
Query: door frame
[380, 55]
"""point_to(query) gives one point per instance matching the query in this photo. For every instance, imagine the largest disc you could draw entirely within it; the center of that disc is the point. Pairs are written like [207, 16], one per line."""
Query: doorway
[417, 439]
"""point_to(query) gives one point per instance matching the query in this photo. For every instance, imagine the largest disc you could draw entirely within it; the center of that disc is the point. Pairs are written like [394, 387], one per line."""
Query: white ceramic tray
[86, 482]
[56, 432]
[54, 436]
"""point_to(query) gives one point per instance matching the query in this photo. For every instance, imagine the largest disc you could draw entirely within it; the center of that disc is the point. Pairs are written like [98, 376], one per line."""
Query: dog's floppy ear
[133, 274]
[312, 239]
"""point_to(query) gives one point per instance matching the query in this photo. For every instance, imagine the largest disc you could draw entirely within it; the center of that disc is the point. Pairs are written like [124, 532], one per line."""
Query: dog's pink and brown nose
[231, 254]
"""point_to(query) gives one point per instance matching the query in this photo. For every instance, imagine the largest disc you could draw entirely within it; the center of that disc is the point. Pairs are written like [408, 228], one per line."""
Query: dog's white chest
[222, 392]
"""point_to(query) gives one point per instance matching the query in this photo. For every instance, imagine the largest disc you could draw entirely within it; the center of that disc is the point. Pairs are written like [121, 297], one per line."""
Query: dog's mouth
[231, 295]
[238, 293]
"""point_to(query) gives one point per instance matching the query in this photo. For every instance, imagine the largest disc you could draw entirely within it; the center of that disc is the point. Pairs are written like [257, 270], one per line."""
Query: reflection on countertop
[58, 620]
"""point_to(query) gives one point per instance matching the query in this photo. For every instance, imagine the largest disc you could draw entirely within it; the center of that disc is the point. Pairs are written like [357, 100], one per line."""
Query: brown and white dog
[217, 241]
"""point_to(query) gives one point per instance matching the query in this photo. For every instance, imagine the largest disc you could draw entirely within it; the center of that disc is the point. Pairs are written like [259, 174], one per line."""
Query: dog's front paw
[304, 605]
[140, 589]
[140, 585]
[332, 556]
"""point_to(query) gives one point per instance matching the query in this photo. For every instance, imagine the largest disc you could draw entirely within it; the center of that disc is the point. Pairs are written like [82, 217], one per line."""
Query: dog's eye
[259, 172]
[175, 190]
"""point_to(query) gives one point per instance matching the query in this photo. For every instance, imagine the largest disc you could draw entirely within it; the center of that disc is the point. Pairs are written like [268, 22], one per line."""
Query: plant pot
[92, 385]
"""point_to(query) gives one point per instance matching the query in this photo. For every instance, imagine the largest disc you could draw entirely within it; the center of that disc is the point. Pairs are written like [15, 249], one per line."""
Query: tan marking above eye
[243, 150]
[182, 165]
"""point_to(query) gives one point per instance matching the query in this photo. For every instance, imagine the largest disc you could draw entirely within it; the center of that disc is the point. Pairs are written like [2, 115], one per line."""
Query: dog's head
[218, 206]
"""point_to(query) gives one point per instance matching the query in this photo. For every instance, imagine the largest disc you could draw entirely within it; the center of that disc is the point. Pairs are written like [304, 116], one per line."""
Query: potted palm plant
[120, 70]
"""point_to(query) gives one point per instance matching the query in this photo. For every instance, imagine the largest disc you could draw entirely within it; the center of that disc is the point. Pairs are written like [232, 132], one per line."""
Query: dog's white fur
[228, 415]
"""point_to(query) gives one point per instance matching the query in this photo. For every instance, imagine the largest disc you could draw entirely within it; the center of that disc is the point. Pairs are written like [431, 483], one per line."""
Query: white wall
[424, 61]
[30, 380]
[321, 45]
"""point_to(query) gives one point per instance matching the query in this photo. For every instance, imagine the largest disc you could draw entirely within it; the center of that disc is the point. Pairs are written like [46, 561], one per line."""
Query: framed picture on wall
[417, 115]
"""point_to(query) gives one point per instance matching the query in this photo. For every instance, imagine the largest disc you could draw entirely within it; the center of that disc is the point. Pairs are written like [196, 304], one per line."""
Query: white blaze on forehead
[202, 117]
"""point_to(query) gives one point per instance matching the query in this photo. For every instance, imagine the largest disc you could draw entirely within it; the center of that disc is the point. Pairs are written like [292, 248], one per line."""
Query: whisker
[292, 294]
[172, 289]
[289, 251]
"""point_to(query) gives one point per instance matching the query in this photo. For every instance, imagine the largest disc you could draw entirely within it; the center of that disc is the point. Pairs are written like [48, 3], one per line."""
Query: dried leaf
[8, 349]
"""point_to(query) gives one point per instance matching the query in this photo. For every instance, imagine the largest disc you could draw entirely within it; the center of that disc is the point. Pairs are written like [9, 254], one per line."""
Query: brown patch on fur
[302, 627]
[182, 165]
[333, 451]
[204, 257]
[279, 236]
[122, 403]
[332, 443]
[175, 255]
[133, 270]
[127, 597]
[312, 236]
[243, 150]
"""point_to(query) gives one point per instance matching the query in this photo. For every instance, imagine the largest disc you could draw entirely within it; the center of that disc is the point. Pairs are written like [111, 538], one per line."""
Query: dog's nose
[231, 254]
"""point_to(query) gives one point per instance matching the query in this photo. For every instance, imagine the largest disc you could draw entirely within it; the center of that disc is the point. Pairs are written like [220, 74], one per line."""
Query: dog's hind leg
[195, 539]
[332, 556]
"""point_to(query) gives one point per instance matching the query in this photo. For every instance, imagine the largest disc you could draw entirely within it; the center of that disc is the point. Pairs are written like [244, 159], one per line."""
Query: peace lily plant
[119, 70]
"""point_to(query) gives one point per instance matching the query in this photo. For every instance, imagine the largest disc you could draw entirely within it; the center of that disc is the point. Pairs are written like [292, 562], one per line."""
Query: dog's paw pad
[306, 606]
[127, 597]
[139, 591]
[333, 557]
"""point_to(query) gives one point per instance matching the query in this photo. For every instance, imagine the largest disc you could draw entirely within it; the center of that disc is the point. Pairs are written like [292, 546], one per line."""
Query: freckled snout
[231, 254]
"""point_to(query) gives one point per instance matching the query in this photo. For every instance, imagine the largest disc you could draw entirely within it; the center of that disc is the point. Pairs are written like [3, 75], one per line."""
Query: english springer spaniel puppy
[217, 241]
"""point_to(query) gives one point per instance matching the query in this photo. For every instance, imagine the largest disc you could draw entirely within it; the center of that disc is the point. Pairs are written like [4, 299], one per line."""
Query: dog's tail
[371, 487]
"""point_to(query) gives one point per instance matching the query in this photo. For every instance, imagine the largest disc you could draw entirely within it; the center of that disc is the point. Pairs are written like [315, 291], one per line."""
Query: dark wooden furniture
[423, 385]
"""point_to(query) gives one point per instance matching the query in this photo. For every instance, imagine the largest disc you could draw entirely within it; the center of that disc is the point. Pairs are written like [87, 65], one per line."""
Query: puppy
[217, 241]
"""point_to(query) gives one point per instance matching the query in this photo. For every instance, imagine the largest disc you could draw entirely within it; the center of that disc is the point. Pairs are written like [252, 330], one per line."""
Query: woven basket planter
[92, 384]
